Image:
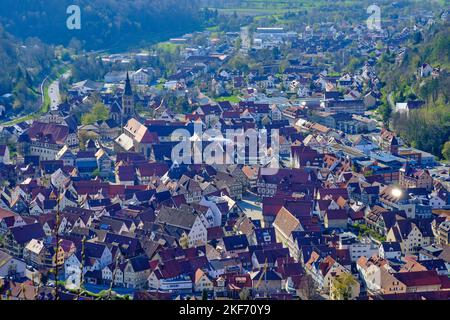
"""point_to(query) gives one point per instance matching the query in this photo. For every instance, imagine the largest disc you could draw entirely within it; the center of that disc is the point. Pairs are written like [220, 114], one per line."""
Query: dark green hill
[104, 23]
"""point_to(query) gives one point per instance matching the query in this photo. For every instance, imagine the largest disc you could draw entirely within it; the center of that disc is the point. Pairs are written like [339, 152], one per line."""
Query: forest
[105, 24]
[23, 65]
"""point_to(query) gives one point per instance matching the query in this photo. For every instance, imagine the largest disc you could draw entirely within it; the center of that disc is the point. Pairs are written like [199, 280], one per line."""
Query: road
[42, 88]
[53, 92]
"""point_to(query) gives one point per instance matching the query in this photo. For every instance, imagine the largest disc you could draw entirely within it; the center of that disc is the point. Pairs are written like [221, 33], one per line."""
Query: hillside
[23, 65]
[104, 23]
[429, 127]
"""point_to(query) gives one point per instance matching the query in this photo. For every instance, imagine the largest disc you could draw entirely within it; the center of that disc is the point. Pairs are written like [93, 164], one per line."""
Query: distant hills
[104, 23]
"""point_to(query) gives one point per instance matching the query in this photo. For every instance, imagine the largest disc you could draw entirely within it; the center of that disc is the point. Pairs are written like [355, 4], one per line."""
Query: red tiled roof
[55, 133]
[419, 278]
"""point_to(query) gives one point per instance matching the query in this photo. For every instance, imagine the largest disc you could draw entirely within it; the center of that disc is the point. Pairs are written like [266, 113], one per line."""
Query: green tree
[446, 150]
[342, 286]
[96, 173]
[385, 111]
[98, 112]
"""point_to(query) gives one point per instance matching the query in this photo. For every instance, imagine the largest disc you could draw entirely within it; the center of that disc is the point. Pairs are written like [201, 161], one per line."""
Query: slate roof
[140, 263]
[23, 234]
[391, 246]
[184, 217]
[238, 242]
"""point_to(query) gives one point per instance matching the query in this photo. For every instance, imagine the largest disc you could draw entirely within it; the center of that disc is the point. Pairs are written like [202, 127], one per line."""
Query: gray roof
[183, 217]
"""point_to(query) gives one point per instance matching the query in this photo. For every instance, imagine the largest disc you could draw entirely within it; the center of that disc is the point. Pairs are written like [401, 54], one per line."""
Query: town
[94, 205]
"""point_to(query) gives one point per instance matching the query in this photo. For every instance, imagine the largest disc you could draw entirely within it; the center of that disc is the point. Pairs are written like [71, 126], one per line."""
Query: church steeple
[127, 101]
[128, 90]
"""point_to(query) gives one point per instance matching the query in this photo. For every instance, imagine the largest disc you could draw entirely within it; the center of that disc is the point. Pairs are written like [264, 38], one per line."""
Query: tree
[343, 286]
[204, 294]
[417, 37]
[98, 112]
[84, 136]
[245, 294]
[307, 288]
[446, 150]
[184, 241]
[385, 111]
[96, 173]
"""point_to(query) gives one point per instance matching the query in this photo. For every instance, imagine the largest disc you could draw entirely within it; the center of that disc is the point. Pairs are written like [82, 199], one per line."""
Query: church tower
[127, 101]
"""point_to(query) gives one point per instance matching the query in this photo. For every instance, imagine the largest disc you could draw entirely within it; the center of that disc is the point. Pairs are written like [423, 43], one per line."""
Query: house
[198, 234]
[390, 251]
[115, 76]
[379, 276]
[8, 220]
[18, 237]
[324, 269]
[268, 256]
[264, 236]
[336, 219]
[42, 253]
[187, 220]
[104, 163]
[235, 244]
[66, 155]
[356, 249]
[202, 282]
[4, 154]
[285, 223]
[344, 106]
[407, 107]
[420, 281]
[389, 142]
[59, 179]
[266, 281]
[415, 178]
[10, 266]
[141, 77]
[125, 175]
[96, 257]
[136, 137]
[371, 99]
[46, 139]
[136, 272]
[411, 234]
[231, 184]
[170, 277]
[443, 233]
[425, 70]
[109, 129]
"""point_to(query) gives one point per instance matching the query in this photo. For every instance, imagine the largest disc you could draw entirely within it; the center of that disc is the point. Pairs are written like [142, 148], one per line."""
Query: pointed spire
[128, 91]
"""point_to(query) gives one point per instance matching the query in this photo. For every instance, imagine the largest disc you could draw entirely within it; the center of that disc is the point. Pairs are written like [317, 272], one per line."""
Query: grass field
[270, 7]
[232, 99]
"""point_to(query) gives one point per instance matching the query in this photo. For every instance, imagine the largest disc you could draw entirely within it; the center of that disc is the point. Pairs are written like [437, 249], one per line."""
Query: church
[124, 111]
